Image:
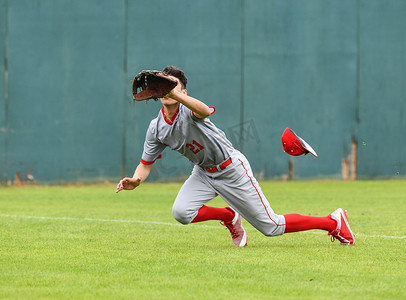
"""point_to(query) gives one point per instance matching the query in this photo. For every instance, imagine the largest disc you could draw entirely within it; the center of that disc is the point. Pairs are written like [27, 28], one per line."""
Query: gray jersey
[197, 139]
[207, 146]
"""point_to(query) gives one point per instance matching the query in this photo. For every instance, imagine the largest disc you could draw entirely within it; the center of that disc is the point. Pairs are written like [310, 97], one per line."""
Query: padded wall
[330, 70]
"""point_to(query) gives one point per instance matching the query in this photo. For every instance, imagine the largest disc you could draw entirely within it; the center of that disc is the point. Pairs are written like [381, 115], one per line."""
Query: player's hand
[128, 184]
[175, 90]
[171, 94]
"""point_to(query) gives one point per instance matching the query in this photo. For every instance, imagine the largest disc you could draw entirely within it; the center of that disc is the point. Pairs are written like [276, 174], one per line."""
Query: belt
[221, 167]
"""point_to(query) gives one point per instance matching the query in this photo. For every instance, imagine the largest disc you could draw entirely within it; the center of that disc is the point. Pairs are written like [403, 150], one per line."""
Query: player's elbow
[203, 113]
[206, 112]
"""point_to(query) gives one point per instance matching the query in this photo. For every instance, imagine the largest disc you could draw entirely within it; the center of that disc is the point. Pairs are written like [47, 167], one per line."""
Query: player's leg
[207, 213]
[189, 206]
[336, 224]
[297, 222]
[245, 195]
[239, 188]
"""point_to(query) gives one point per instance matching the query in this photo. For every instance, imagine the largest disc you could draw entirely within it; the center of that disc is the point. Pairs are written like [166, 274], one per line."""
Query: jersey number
[195, 147]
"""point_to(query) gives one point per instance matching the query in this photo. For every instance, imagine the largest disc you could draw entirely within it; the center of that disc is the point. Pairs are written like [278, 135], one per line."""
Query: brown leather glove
[151, 84]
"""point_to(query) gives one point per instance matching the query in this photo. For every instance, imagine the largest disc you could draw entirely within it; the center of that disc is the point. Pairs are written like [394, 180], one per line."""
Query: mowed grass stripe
[170, 224]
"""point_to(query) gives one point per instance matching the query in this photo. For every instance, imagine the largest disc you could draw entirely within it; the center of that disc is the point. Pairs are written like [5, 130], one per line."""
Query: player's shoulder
[187, 113]
[182, 108]
[191, 115]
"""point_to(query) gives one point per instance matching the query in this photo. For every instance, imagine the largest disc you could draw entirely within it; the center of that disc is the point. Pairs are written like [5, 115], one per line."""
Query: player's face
[178, 88]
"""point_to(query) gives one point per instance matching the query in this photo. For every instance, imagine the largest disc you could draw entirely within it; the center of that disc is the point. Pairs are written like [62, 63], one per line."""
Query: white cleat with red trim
[238, 234]
[343, 231]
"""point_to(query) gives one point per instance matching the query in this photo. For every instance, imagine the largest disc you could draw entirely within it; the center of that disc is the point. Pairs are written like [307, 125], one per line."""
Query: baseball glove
[151, 84]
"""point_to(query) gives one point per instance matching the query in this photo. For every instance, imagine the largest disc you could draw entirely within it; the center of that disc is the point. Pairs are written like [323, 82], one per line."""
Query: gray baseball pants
[237, 186]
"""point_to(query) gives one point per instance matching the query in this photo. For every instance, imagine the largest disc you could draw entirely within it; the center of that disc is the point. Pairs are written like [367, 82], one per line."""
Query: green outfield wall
[333, 71]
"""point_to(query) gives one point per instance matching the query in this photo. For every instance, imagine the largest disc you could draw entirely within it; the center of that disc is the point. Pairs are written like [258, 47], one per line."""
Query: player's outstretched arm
[200, 109]
[141, 173]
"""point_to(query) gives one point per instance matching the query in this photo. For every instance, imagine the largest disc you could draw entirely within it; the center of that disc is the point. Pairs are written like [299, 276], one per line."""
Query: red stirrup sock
[206, 213]
[296, 222]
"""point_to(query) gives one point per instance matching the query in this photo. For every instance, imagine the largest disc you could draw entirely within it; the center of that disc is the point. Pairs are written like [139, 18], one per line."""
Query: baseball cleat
[238, 234]
[343, 231]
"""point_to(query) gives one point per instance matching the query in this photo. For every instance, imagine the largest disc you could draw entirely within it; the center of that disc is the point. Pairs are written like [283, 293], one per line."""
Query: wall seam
[6, 125]
[125, 86]
[242, 76]
[358, 79]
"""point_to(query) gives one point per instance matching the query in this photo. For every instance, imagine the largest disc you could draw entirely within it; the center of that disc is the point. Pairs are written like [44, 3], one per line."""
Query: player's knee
[181, 215]
[272, 231]
[270, 234]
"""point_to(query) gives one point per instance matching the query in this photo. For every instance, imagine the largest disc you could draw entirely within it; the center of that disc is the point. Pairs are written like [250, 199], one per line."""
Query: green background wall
[330, 70]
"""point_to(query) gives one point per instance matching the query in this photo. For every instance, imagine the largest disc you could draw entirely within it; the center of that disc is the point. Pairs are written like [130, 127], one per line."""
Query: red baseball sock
[296, 222]
[206, 213]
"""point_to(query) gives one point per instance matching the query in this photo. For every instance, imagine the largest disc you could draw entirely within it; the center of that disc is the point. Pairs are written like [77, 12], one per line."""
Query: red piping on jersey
[246, 171]
[212, 108]
[150, 162]
[170, 122]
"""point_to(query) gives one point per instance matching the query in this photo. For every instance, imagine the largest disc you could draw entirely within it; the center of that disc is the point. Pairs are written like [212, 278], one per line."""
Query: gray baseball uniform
[219, 169]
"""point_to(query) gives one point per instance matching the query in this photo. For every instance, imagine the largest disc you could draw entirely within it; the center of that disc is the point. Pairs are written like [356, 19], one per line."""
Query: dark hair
[178, 73]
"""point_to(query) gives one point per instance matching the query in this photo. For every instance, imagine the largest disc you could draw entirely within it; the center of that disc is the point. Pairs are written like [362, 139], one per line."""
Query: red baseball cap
[294, 144]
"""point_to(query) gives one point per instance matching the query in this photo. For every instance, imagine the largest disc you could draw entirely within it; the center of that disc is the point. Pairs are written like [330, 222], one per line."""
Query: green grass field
[87, 242]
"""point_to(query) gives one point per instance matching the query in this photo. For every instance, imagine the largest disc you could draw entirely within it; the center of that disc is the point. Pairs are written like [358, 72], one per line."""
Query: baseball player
[220, 170]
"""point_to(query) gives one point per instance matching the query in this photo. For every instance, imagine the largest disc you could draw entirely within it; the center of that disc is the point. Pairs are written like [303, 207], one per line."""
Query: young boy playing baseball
[220, 169]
